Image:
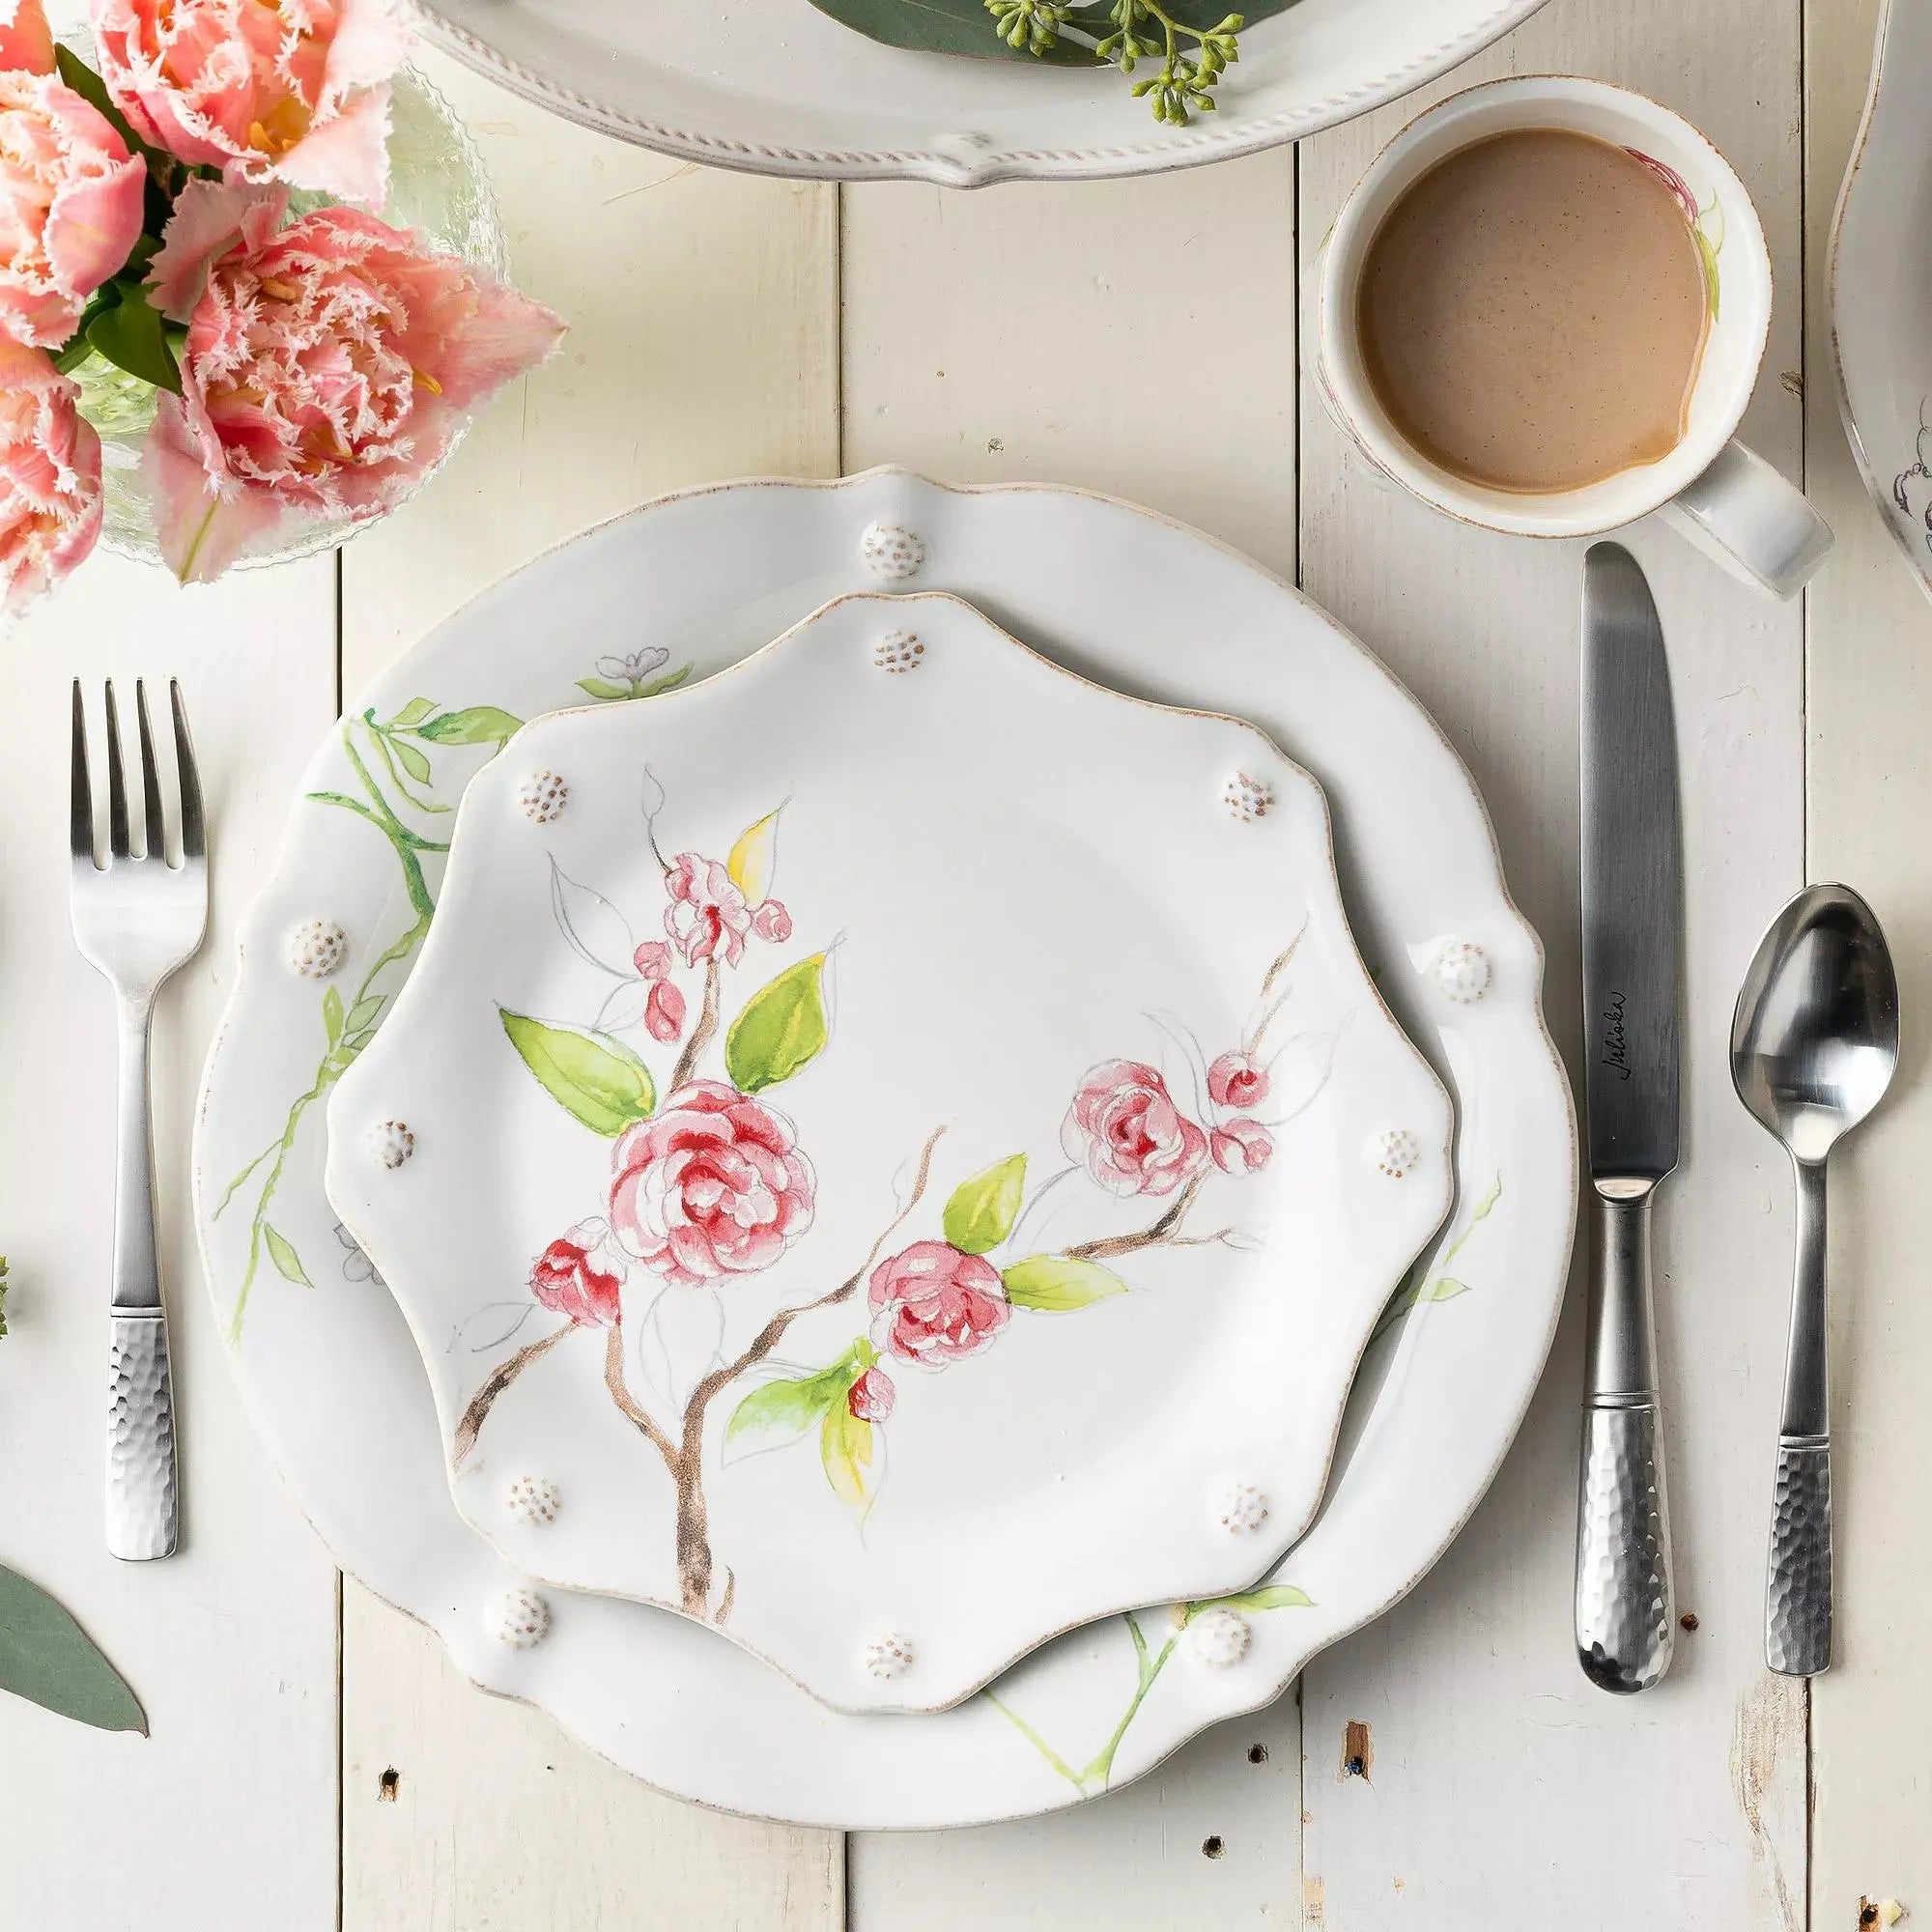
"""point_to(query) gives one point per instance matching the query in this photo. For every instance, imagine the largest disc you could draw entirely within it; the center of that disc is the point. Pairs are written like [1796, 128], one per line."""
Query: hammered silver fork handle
[143, 1515]
[1798, 1590]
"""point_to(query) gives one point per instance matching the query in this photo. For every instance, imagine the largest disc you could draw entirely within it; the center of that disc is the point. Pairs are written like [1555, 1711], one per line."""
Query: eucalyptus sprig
[1135, 31]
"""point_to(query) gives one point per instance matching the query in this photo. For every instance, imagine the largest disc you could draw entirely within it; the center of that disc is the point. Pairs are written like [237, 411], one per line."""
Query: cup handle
[1743, 514]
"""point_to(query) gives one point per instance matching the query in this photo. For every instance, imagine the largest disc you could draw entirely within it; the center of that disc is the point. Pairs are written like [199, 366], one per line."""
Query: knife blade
[1632, 919]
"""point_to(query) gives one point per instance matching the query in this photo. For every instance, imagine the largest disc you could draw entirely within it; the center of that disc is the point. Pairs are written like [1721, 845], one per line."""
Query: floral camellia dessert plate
[1881, 278]
[778, 87]
[677, 590]
[897, 1143]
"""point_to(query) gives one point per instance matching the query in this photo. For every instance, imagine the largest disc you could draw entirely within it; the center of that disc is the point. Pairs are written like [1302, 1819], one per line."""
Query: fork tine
[80, 823]
[155, 844]
[192, 844]
[117, 783]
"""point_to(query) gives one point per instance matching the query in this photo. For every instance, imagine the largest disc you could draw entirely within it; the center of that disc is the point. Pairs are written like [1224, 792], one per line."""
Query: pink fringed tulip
[284, 89]
[327, 366]
[49, 476]
[70, 191]
[26, 41]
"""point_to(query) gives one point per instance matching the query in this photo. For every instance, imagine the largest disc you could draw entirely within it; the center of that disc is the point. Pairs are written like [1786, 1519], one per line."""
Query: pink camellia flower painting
[580, 1274]
[707, 916]
[871, 1397]
[295, 91]
[327, 365]
[71, 193]
[1240, 1147]
[714, 1186]
[942, 1306]
[49, 476]
[1125, 1128]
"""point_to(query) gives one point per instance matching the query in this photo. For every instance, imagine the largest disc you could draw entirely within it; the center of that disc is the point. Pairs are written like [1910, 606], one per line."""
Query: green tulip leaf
[46, 1658]
[288, 1263]
[74, 73]
[595, 1079]
[983, 1211]
[479, 724]
[781, 1029]
[1058, 1284]
[131, 337]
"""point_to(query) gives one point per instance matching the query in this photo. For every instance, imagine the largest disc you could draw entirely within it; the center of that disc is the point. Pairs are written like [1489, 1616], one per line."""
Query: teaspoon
[1813, 1047]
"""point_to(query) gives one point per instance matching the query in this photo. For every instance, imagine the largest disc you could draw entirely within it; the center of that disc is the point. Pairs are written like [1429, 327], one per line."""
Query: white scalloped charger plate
[775, 87]
[1881, 278]
[686, 585]
[998, 1161]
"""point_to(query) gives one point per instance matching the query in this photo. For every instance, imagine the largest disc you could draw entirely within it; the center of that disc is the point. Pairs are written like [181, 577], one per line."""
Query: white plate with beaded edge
[331, 1371]
[729, 86]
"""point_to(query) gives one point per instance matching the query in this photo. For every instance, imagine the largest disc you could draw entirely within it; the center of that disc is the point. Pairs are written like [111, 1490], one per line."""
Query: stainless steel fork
[136, 920]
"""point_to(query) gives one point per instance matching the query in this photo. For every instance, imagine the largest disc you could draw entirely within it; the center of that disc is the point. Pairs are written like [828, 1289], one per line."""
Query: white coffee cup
[1728, 501]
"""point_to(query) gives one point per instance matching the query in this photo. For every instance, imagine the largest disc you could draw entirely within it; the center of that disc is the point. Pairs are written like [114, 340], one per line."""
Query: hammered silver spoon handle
[1797, 1591]
[142, 1507]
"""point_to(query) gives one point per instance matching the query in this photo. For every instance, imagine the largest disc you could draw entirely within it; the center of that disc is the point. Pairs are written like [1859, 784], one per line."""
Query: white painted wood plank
[1504, 1788]
[1869, 691]
[225, 1816]
[703, 310]
[1137, 338]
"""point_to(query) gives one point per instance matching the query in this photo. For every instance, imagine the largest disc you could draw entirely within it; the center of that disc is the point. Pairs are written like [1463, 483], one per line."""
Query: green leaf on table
[783, 1410]
[603, 689]
[1058, 1284]
[479, 724]
[74, 73]
[46, 1658]
[288, 1263]
[954, 27]
[982, 1211]
[782, 1028]
[130, 335]
[595, 1079]
[966, 27]
[412, 762]
[332, 1015]
[1272, 1597]
[848, 1447]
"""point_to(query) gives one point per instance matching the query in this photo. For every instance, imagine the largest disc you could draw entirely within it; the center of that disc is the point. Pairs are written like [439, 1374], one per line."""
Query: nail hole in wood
[1258, 1753]
[387, 1785]
[1867, 1914]
[1211, 1846]
[1358, 1750]
[1688, 1620]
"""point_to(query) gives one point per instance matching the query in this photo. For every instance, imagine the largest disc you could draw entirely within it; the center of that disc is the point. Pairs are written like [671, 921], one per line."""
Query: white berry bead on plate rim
[392, 1143]
[1395, 1153]
[316, 949]
[542, 797]
[534, 1501]
[1464, 972]
[1241, 1508]
[1219, 1638]
[520, 1619]
[1248, 798]
[890, 551]
[889, 1654]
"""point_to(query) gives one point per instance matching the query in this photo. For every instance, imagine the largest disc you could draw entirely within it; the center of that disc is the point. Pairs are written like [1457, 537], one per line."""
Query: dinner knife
[1633, 914]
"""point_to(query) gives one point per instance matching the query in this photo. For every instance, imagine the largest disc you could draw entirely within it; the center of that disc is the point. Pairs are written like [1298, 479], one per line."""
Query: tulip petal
[210, 219]
[347, 154]
[93, 224]
[202, 524]
[26, 41]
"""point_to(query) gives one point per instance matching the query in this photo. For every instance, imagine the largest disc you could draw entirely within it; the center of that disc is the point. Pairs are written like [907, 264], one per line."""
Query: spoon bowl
[1813, 1047]
[1815, 1040]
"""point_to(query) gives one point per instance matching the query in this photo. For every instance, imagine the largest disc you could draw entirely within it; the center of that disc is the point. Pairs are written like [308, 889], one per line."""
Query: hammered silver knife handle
[1624, 1626]
[1797, 1592]
[142, 1508]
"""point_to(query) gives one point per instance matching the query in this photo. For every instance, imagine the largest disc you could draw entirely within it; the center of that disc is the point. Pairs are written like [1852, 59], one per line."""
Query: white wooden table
[314, 1762]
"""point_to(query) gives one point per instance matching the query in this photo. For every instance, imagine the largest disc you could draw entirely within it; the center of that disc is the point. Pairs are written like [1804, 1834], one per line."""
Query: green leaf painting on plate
[599, 1081]
[1059, 1283]
[782, 1028]
[982, 1211]
[46, 1658]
